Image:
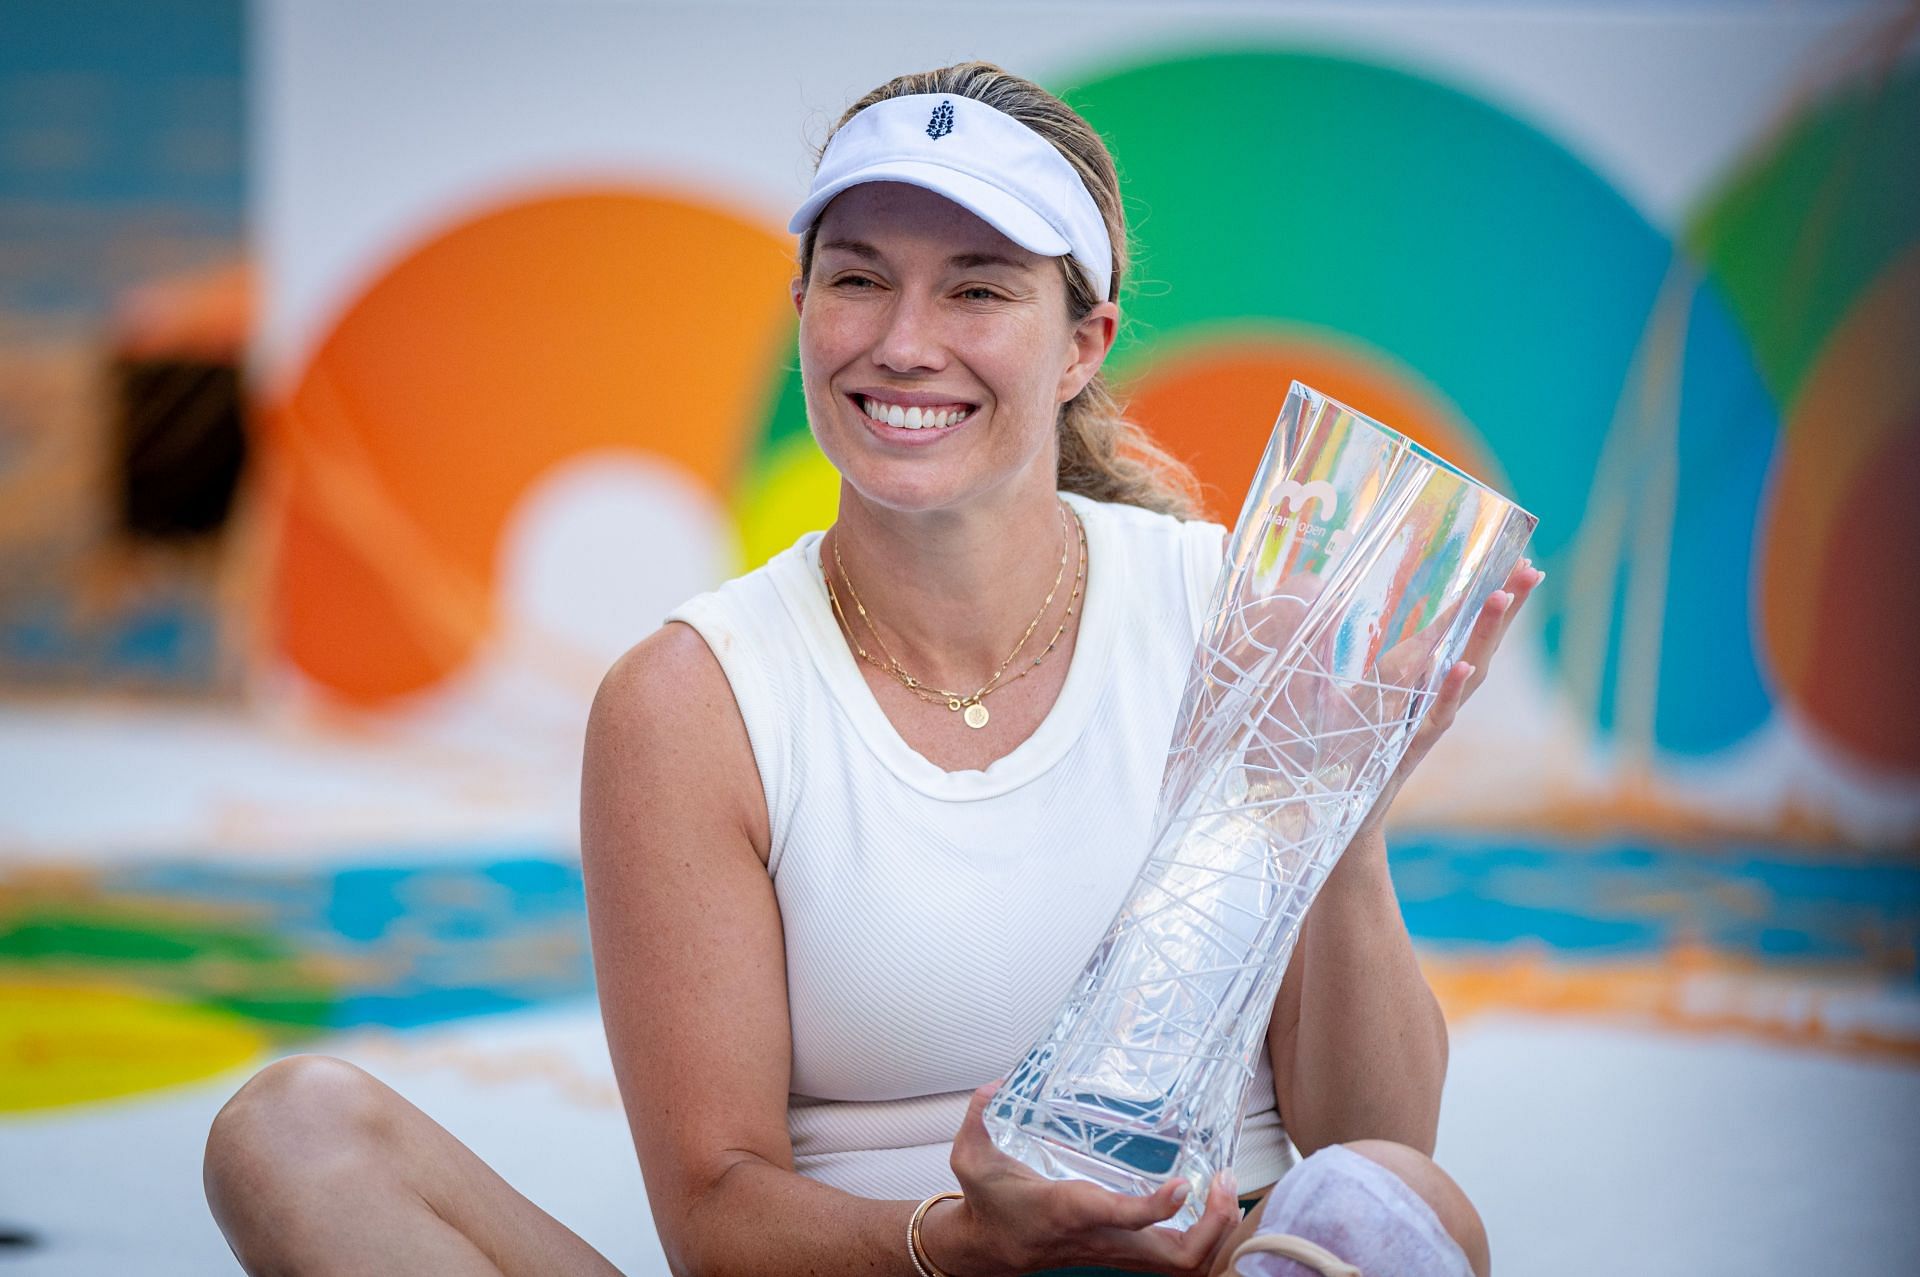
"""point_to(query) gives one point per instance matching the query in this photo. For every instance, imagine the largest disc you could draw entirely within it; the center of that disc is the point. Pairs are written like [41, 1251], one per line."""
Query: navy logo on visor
[942, 122]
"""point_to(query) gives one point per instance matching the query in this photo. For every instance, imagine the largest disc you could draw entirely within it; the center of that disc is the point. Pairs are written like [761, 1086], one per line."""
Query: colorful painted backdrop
[510, 313]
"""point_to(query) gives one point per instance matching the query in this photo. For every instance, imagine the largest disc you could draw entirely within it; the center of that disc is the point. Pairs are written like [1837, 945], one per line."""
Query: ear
[799, 289]
[1092, 339]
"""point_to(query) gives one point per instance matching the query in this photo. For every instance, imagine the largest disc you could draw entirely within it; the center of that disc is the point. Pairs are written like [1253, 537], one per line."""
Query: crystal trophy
[1351, 582]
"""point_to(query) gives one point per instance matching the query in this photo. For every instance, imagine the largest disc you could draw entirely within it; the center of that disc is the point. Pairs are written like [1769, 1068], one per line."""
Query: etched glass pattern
[1350, 584]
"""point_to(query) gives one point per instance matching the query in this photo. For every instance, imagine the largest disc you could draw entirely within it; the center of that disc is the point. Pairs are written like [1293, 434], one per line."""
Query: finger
[1433, 724]
[1525, 579]
[1125, 1210]
[1521, 584]
[1192, 1250]
[972, 1144]
[1447, 700]
[976, 1115]
[1487, 627]
[1221, 1217]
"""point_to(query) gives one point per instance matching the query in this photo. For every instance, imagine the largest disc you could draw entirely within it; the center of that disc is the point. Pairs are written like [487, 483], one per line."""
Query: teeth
[913, 418]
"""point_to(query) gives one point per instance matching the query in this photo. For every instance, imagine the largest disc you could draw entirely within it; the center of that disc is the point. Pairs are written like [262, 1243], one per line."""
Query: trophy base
[1103, 1141]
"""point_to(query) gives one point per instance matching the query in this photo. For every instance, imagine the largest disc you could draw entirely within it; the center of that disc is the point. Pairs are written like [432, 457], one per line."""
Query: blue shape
[364, 902]
[1468, 917]
[1858, 908]
[424, 1006]
[139, 81]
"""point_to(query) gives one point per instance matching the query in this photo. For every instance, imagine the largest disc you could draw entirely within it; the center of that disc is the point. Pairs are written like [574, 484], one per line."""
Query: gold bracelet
[917, 1253]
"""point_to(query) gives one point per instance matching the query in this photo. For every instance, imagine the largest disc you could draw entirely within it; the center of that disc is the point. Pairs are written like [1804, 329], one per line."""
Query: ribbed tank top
[935, 920]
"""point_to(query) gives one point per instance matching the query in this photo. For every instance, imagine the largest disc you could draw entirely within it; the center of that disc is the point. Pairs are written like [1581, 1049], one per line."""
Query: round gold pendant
[976, 715]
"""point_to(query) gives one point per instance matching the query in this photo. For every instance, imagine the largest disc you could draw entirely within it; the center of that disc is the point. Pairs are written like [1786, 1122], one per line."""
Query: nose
[911, 340]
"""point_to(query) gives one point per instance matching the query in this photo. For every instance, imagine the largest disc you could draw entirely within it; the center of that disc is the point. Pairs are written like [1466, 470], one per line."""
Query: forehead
[899, 219]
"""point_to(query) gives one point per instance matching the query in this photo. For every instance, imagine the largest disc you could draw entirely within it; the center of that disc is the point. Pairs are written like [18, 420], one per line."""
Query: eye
[979, 293]
[856, 283]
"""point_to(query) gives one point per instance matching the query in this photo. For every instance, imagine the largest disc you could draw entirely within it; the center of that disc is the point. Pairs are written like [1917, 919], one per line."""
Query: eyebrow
[961, 261]
[859, 248]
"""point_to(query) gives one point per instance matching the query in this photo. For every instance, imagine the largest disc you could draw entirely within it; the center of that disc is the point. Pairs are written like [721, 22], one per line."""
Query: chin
[911, 489]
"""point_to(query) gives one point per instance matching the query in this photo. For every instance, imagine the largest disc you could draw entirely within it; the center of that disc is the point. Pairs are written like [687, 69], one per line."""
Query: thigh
[503, 1223]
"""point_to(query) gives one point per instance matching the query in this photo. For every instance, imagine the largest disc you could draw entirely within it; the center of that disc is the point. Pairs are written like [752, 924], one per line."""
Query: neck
[953, 590]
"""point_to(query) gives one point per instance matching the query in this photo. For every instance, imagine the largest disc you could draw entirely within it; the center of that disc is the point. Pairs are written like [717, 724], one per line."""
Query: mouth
[903, 416]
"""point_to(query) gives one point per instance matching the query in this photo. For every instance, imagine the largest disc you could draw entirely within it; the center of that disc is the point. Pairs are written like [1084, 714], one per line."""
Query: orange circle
[1214, 405]
[1864, 688]
[1840, 543]
[491, 352]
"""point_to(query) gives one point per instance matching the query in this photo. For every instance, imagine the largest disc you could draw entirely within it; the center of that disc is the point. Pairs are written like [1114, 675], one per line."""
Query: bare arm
[691, 964]
[1358, 1041]
[1358, 1044]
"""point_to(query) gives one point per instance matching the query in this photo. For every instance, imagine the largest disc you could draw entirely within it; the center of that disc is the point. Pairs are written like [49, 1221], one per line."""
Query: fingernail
[1472, 670]
[1232, 1182]
[1180, 1192]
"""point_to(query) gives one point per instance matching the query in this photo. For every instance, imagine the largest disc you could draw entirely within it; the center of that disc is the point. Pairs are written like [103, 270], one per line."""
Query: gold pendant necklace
[971, 708]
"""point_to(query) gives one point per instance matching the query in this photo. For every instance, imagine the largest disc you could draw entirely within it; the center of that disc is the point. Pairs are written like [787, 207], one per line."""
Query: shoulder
[666, 676]
[665, 742]
[1182, 553]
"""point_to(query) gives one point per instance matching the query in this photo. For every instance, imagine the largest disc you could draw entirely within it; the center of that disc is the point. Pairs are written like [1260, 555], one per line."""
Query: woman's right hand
[1018, 1221]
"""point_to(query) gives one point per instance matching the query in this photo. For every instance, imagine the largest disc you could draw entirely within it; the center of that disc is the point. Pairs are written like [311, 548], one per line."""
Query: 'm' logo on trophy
[942, 122]
[1291, 494]
[1304, 507]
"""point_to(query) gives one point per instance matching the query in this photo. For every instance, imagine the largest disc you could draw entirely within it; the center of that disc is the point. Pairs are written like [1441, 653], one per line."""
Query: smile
[914, 417]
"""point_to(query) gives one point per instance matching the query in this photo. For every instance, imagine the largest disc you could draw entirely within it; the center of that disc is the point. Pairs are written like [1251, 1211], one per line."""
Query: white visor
[983, 160]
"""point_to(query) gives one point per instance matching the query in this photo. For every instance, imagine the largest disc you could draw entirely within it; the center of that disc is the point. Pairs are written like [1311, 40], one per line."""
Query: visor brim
[992, 205]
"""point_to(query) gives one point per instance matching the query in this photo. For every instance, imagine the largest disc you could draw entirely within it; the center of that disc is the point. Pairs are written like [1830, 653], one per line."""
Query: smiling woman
[851, 823]
[1101, 454]
[913, 306]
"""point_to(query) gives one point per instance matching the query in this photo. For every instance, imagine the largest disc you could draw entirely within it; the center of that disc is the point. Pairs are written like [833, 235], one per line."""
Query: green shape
[284, 1009]
[183, 958]
[1802, 229]
[1385, 212]
[786, 414]
[49, 934]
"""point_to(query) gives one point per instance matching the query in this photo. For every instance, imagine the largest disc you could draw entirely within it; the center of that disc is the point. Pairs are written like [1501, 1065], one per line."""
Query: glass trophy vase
[1351, 580]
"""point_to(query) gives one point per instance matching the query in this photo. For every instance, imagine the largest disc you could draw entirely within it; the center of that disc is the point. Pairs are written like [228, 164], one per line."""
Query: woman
[851, 823]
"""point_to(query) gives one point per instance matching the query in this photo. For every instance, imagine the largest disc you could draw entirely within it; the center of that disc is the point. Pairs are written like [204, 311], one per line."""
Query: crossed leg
[1329, 1217]
[1439, 1191]
[317, 1167]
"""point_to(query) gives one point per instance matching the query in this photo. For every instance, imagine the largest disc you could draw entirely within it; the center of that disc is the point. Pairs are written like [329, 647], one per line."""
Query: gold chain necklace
[970, 707]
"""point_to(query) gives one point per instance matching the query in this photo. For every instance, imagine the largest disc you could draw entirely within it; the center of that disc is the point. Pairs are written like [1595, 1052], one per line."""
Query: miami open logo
[1304, 509]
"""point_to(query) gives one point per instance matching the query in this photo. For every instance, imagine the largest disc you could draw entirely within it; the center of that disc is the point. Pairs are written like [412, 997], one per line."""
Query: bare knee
[304, 1115]
[1438, 1189]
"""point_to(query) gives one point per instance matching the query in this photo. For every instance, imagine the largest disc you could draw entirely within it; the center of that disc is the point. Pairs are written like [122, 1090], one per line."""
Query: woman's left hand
[1223, 1252]
[1461, 681]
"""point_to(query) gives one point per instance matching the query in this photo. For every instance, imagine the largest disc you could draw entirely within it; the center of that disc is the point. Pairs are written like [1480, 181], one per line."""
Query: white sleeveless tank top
[935, 920]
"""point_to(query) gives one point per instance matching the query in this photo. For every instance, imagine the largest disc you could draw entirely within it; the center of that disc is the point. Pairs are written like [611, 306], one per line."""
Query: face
[936, 352]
